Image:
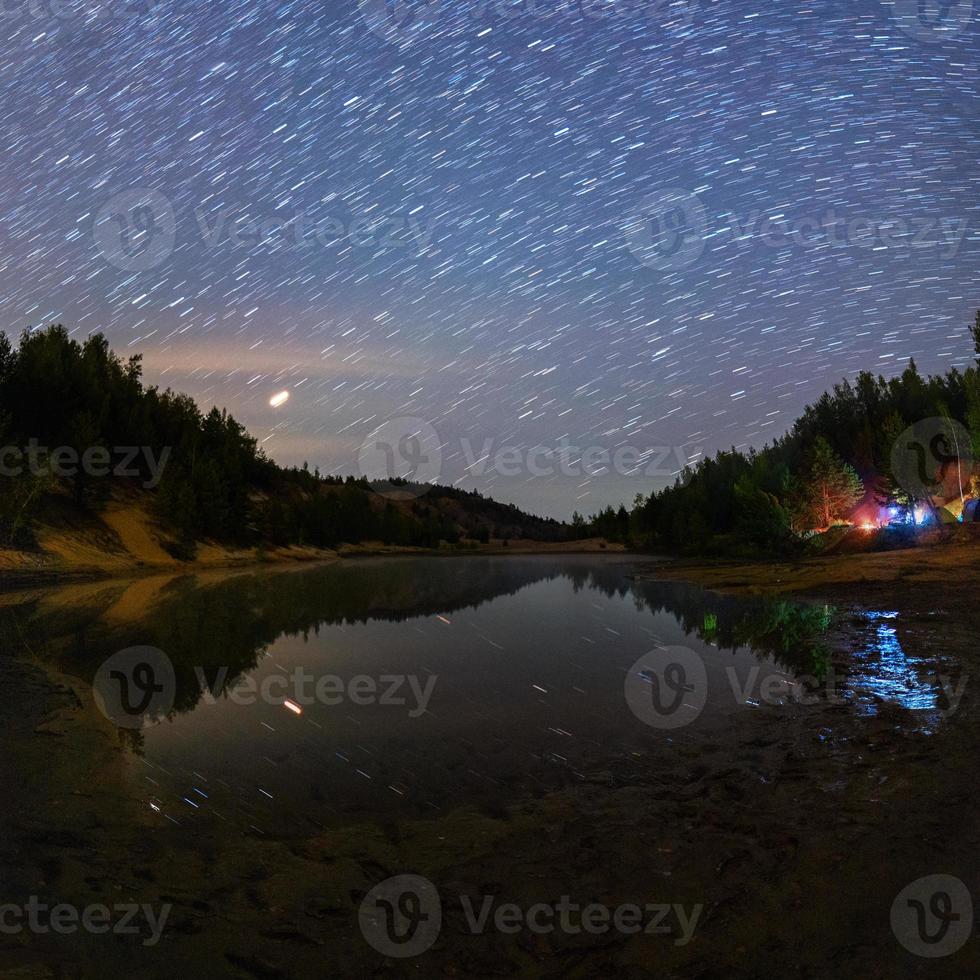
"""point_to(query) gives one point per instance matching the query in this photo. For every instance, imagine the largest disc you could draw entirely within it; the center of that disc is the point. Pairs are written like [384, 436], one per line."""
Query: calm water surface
[450, 682]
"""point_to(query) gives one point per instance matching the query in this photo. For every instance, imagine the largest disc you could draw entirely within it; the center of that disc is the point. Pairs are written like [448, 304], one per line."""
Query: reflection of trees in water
[232, 623]
[792, 633]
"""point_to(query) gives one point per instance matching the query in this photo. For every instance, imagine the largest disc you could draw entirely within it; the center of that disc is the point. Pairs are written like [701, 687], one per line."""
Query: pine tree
[830, 488]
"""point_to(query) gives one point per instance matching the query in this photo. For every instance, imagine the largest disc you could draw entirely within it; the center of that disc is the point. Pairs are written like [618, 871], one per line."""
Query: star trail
[656, 226]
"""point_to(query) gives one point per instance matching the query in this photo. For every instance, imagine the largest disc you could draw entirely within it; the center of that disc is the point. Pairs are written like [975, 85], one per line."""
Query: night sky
[608, 225]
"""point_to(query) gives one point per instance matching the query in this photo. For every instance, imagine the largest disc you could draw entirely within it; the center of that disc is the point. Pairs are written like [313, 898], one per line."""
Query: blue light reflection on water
[890, 674]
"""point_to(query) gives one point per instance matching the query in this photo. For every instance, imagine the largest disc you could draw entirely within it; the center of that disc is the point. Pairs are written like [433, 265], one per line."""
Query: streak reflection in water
[529, 656]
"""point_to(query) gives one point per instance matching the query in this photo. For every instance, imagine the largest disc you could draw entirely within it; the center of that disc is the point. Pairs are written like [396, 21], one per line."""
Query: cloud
[229, 359]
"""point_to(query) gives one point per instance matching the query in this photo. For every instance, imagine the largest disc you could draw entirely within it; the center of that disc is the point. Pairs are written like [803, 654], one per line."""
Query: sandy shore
[947, 563]
[124, 541]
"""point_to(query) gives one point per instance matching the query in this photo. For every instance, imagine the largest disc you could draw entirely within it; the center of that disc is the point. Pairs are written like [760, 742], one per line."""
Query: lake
[505, 732]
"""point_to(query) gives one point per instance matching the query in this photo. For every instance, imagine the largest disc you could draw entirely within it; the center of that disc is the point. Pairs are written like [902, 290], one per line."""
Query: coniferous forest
[834, 465]
[207, 477]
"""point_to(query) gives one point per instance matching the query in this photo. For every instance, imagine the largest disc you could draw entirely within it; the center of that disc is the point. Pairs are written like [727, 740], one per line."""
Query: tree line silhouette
[840, 449]
[217, 484]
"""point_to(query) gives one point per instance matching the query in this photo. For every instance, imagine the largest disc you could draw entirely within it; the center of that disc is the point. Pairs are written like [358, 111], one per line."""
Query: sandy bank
[124, 540]
[948, 562]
